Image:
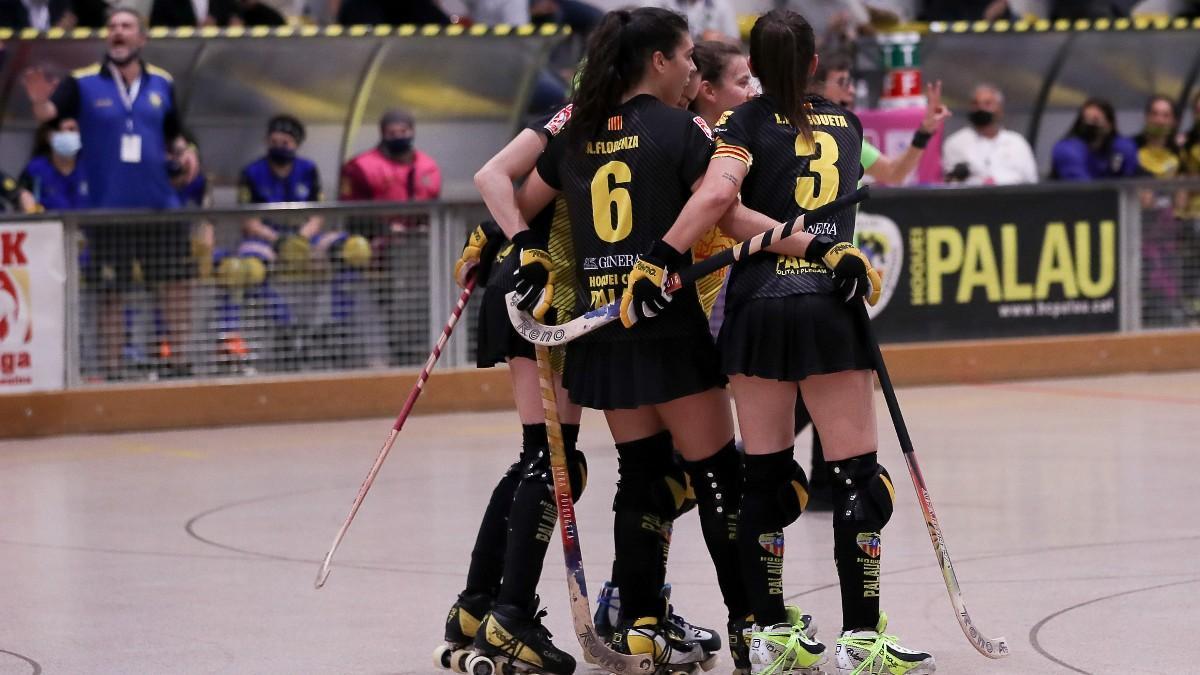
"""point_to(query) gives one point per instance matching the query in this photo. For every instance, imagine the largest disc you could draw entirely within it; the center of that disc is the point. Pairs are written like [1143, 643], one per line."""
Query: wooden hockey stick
[993, 648]
[594, 649]
[553, 336]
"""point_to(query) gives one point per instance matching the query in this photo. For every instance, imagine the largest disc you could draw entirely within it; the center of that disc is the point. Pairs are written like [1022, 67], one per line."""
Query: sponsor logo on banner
[772, 543]
[16, 311]
[978, 264]
[31, 303]
[879, 238]
[869, 543]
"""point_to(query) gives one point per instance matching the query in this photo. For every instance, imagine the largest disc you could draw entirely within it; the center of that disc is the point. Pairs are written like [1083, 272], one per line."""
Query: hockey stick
[323, 573]
[594, 649]
[993, 648]
[554, 336]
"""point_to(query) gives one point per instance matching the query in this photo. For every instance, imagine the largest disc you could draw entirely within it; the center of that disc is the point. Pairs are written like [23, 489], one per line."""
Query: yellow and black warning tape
[304, 31]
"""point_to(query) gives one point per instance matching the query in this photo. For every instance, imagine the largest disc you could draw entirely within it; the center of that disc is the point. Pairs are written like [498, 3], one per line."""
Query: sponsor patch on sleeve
[560, 119]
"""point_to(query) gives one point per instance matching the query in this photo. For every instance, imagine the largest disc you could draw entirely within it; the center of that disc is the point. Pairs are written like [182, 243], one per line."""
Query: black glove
[535, 276]
[644, 296]
[853, 275]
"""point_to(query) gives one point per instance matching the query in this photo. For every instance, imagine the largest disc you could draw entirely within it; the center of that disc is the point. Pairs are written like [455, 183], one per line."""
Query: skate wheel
[441, 656]
[480, 665]
[458, 660]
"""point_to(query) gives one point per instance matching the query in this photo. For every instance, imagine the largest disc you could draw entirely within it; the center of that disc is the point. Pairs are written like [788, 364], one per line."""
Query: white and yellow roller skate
[787, 648]
[874, 652]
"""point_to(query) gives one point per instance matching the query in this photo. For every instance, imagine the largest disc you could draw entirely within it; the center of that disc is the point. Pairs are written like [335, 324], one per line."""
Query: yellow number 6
[605, 197]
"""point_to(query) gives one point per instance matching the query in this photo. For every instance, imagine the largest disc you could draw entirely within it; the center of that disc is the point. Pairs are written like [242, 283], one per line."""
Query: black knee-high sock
[717, 481]
[760, 534]
[644, 510]
[487, 557]
[861, 508]
[530, 523]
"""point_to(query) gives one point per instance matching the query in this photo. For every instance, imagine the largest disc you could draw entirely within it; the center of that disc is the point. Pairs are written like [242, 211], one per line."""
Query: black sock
[570, 434]
[857, 547]
[760, 536]
[487, 557]
[533, 438]
[530, 524]
[642, 524]
[717, 481]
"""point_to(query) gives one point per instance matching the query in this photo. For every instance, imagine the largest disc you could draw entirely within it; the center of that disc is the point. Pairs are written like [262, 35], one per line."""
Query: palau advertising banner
[981, 265]
[32, 308]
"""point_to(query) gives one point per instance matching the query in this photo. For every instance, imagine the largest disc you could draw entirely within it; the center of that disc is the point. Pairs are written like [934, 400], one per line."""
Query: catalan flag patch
[734, 151]
[616, 123]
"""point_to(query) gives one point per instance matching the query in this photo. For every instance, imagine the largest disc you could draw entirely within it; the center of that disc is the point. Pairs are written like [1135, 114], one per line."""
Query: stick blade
[322, 574]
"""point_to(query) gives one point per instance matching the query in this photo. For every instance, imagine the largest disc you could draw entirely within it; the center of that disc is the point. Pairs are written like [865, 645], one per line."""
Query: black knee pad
[537, 468]
[683, 493]
[578, 471]
[862, 492]
[650, 481]
[717, 481]
[779, 481]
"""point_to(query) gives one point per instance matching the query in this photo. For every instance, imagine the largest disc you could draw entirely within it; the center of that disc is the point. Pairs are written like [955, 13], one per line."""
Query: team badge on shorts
[869, 543]
[772, 542]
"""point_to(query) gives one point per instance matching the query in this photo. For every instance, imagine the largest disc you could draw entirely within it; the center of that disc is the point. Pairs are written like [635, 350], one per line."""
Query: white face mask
[66, 143]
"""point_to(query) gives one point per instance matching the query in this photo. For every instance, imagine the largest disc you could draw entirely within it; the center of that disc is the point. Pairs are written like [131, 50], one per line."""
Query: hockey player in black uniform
[788, 323]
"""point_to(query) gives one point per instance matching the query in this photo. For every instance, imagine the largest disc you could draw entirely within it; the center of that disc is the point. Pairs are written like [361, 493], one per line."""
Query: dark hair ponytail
[782, 47]
[712, 57]
[617, 54]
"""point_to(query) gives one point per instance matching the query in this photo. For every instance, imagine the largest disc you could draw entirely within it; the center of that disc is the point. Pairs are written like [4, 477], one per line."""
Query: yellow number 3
[823, 154]
[606, 196]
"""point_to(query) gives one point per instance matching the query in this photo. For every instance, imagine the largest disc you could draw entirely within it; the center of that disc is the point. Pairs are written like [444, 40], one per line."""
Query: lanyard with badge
[131, 143]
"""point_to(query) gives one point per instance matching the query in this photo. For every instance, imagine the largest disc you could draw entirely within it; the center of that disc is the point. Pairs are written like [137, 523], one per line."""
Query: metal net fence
[209, 294]
[1170, 255]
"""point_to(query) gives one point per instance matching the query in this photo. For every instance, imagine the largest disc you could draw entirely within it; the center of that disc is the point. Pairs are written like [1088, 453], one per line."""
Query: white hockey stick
[553, 336]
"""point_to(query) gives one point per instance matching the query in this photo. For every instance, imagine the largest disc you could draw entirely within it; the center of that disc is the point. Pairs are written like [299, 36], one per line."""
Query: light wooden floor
[1067, 505]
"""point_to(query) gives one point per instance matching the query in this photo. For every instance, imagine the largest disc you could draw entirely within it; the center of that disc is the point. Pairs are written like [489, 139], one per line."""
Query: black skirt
[497, 341]
[792, 337]
[622, 374]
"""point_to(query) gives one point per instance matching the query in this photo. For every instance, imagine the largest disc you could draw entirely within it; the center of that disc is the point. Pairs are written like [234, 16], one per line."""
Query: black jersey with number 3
[624, 188]
[789, 176]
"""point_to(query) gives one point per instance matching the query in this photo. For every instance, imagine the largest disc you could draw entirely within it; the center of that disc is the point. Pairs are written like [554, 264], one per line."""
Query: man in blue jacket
[127, 116]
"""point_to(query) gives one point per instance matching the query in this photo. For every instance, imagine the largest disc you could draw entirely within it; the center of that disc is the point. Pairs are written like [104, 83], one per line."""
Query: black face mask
[1091, 132]
[981, 118]
[281, 155]
[398, 146]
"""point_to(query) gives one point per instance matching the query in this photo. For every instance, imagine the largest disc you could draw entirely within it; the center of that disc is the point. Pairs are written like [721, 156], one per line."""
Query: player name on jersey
[817, 120]
[610, 147]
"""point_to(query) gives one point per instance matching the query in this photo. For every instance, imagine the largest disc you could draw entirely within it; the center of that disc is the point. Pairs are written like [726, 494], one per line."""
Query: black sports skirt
[621, 374]
[790, 338]
[497, 341]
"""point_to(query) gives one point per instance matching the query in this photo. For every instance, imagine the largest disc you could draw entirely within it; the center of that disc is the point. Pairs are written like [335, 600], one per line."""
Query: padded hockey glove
[853, 276]
[535, 276]
[644, 296]
[479, 252]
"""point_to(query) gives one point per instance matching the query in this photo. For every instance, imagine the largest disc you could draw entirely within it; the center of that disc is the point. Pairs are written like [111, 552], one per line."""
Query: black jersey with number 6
[624, 188]
[789, 176]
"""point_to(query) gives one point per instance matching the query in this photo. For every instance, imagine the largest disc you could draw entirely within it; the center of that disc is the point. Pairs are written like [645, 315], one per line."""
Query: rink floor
[1067, 506]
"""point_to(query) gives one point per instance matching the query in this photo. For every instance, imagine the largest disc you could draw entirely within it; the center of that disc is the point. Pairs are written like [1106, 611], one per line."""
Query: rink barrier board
[99, 409]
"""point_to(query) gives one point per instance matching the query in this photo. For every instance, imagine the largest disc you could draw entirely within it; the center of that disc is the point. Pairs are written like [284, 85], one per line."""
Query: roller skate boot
[707, 638]
[462, 623]
[860, 652]
[672, 653]
[513, 640]
[785, 648]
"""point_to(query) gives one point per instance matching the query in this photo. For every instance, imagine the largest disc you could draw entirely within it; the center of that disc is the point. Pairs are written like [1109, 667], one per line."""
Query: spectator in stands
[393, 170]
[707, 19]
[834, 81]
[54, 176]
[15, 198]
[1191, 142]
[281, 176]
[127, 117]
[194, 192]
[580, 16]
[1093, 148]
[985, 153]
[176, 13]
[39, 14]
[1159, 154]
[1090, 9]
[966, 10]
[392, 12]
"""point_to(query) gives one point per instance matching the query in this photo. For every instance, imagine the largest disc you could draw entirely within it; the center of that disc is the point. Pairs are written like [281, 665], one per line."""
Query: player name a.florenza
[609, 147]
